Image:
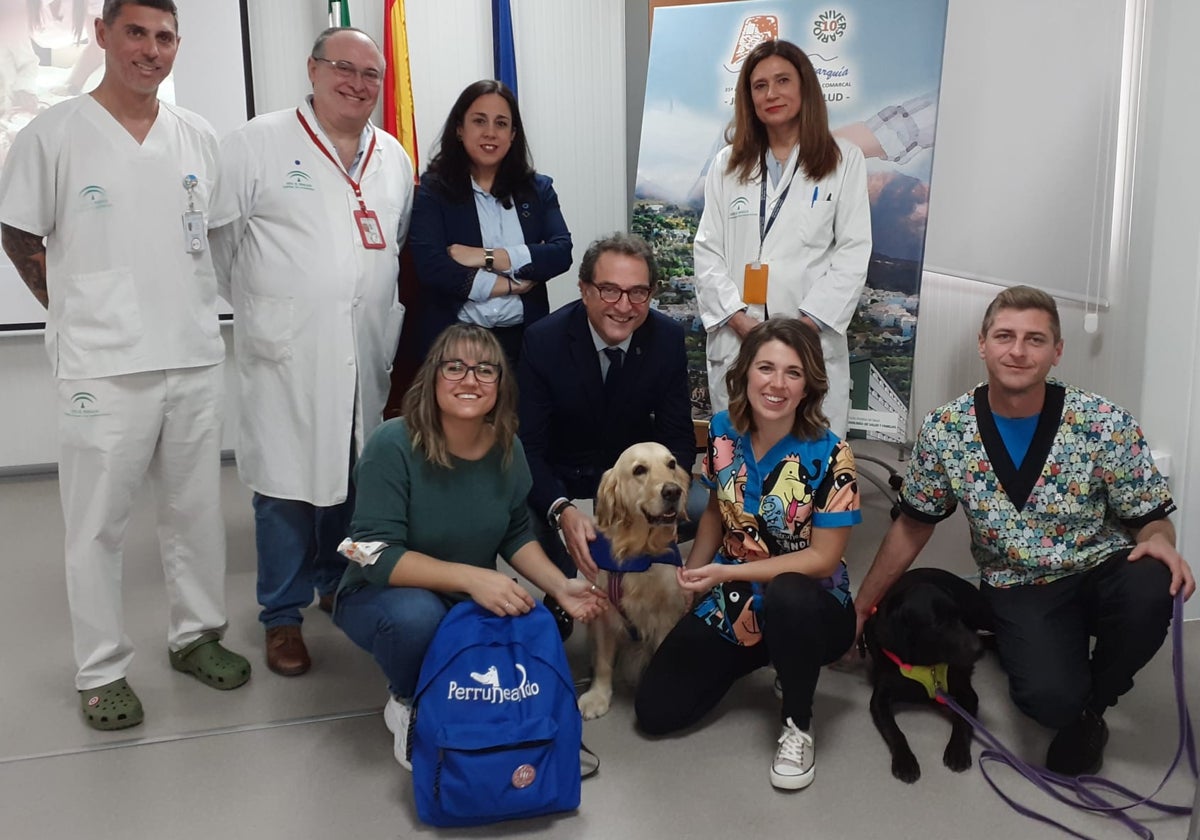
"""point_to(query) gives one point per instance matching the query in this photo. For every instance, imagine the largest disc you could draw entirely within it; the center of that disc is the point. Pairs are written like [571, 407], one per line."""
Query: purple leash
[1084, 792]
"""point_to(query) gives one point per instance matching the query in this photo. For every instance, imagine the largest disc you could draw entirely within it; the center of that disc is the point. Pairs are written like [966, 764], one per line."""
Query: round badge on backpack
[523, 776]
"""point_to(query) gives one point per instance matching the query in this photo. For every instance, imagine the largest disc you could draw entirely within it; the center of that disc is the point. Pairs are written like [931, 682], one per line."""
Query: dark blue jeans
[395, 624]
[297, 554]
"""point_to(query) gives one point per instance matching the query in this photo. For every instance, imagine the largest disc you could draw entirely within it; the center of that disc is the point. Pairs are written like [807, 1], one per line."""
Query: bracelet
[510, 285]
[489, 259]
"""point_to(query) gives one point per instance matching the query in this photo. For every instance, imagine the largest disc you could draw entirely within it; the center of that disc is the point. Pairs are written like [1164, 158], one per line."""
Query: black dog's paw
[957, 756]
[905, 768]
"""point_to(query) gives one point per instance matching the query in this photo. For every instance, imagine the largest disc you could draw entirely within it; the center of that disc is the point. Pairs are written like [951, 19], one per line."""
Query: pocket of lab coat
[267, 328]
[100, 310]
[818, 221]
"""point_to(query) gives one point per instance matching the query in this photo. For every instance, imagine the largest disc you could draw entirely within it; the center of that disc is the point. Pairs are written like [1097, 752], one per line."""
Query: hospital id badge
[754, 285]
[195, 237]
[369, 229]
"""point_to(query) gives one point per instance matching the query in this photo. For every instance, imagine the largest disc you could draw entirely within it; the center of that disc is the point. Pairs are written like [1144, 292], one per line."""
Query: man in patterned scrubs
[1069, 527]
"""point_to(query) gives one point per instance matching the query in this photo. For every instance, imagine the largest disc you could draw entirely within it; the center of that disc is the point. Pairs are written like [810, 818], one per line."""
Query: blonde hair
[420, 406]
[810, 421]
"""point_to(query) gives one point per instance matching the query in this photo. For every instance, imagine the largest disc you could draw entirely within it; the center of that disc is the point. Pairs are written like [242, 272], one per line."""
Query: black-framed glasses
[456, 370]
[611, 294]
[346, 70]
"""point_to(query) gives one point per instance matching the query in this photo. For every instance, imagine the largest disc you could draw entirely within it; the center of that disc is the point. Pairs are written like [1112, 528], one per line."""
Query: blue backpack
[497, 732]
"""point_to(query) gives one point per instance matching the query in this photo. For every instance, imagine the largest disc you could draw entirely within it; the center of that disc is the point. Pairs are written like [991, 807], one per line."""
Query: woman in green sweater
[441, 492]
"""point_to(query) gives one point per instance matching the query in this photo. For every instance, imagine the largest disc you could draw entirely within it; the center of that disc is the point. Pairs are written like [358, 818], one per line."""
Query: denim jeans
[297, 554]
[395, 624]
[552, 543]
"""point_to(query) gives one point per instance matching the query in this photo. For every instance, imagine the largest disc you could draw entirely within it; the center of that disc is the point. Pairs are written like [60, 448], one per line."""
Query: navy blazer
[570, 433]
[439, 221]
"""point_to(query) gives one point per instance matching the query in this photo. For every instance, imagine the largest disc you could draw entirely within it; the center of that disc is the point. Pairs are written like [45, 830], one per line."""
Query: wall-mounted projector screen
[48, 54]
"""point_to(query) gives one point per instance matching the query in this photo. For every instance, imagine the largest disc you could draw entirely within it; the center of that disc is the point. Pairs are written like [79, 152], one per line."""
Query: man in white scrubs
[103, 203]
[310, 213]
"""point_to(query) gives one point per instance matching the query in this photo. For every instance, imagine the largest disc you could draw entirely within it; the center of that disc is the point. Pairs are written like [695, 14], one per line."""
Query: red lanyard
[362, 168]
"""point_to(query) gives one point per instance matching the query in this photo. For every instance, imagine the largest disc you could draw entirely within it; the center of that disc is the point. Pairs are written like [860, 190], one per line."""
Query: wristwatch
[489, 259]
[556, 513]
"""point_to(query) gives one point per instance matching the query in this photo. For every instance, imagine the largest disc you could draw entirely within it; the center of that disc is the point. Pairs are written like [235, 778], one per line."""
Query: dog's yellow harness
[933, 678]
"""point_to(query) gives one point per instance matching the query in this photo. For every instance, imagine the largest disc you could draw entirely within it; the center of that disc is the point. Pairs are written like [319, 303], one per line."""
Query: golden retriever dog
[638, 505]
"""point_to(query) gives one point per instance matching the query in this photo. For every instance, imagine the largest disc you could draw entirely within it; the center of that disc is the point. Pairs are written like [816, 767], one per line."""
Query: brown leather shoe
[286, 653]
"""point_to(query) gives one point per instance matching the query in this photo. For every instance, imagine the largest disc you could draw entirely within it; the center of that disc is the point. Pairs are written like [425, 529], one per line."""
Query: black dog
[929, 619]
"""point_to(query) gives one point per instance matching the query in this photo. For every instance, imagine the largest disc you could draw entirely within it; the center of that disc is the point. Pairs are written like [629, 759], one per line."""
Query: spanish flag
[398, 117]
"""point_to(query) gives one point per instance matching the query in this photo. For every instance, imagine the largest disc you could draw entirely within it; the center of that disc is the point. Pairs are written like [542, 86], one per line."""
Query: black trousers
[510, 339]
[804, 627]
[1043, 636]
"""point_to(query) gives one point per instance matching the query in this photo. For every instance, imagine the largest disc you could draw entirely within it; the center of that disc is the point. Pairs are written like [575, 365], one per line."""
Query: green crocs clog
[214, 665]
[111, 706]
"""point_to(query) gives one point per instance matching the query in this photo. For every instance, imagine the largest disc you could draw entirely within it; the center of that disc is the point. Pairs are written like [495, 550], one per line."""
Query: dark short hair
[1022, 297]
[629, 244]
[112, 8]
[810, 421]
[318, 47]
[451, 164]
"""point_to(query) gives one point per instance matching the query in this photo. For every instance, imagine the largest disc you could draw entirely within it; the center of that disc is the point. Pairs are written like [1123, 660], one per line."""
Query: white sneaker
[398, 716]
[795, 763]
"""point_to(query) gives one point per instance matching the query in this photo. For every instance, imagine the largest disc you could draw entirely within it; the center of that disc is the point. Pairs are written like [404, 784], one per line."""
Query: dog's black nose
[671, 492]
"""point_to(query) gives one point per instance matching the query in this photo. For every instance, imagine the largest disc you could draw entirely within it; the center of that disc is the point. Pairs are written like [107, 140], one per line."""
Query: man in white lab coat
[311, 209]
[102, 209]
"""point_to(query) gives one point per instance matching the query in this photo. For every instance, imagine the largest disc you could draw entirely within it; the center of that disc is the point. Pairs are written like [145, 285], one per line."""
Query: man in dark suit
[595, 376]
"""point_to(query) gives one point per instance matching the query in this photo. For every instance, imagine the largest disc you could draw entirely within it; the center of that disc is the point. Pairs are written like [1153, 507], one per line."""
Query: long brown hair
[420, 407]
[819, 152]
[810, 421]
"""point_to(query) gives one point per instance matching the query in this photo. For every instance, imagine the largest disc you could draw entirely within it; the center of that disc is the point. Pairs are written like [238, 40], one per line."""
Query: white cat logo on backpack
[489, 689]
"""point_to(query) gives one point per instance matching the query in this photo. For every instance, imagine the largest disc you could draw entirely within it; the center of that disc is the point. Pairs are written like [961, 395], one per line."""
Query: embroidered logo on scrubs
[94, 197]
[83, 405]
[740, 207]
[829, 26]
[298, 179]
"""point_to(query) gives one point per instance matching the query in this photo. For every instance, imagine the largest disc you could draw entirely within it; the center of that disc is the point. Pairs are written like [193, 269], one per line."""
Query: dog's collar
[933, 678]
[602, 555]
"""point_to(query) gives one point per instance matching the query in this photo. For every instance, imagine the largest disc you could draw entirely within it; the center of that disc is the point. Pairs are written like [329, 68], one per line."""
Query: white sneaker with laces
[398, 716]
[795, 763]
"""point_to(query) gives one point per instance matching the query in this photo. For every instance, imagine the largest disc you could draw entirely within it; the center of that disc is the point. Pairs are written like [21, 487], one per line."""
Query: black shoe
[561, 617]
[1078, 749]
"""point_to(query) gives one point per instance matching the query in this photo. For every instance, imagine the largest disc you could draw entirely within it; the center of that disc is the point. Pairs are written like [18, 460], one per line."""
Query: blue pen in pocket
[816, 192]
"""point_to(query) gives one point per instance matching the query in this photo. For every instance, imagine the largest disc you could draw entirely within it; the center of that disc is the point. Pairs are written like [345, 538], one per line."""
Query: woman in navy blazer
[487, 232]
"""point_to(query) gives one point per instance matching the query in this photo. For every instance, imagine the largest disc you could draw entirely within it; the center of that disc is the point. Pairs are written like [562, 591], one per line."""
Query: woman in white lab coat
[786, 228]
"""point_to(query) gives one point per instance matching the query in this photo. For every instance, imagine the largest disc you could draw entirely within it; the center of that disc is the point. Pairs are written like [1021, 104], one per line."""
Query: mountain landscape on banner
[873, 58]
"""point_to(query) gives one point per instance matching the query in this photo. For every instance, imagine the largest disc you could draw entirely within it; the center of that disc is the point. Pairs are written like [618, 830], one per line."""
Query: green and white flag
[339, 12]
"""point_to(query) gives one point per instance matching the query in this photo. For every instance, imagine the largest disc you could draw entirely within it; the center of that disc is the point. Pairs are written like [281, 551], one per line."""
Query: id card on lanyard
[754, 282]
[369, 229]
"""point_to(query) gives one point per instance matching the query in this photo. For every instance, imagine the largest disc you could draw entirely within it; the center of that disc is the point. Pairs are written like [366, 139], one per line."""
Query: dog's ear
[608, 501]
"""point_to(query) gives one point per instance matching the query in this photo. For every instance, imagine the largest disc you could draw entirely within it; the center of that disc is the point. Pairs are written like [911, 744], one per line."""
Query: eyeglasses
[611, 294]
[345, 70]
[456, 370]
